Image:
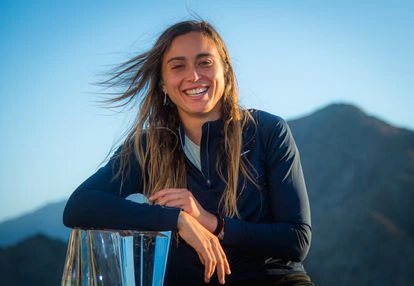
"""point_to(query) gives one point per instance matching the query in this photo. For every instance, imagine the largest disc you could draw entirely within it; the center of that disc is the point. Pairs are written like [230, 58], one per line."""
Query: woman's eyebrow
[176, 59]
[204, 55]
[181, 58]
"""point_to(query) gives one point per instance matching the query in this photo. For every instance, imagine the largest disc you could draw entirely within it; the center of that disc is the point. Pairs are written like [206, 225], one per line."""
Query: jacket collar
[210, 129]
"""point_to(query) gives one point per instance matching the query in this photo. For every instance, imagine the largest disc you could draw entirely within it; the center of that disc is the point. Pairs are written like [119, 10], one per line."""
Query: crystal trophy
[116, 257]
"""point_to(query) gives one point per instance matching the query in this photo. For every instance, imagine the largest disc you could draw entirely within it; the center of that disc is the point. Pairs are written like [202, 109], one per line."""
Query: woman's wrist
[220, 224]
[209, 221]
[214, 223]
[182, 219]
[220, 233]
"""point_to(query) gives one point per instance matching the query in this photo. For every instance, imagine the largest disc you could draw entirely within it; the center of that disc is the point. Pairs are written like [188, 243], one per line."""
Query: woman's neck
[193, 127]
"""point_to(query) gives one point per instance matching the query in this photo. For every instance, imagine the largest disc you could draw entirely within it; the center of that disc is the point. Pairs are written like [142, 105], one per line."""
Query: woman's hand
[184, 199]
[206, 245]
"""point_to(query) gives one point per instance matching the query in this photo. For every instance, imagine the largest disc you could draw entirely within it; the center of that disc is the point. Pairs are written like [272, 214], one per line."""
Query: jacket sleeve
[289, 236]
[99, 202]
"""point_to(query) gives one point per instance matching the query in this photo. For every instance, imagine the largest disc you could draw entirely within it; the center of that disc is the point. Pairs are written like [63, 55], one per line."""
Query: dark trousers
[293, 279]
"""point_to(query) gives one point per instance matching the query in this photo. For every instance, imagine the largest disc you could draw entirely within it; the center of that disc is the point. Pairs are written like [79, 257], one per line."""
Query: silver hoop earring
[165, 99]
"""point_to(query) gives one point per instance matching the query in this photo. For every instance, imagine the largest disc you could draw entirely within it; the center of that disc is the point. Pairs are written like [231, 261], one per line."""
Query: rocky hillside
[360, 177]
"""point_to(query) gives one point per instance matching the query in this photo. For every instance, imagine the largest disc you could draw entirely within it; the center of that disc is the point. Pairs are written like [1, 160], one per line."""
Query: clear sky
[291, 57]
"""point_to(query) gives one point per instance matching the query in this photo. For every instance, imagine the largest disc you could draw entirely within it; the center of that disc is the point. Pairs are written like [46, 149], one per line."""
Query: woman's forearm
[280, 240]
[97, 209]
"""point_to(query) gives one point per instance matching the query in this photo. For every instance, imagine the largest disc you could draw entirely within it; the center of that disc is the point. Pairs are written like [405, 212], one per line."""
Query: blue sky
[291, 57]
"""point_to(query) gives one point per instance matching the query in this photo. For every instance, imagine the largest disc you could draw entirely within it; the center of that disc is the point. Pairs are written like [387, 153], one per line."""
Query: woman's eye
[206, 63]
[177, 67]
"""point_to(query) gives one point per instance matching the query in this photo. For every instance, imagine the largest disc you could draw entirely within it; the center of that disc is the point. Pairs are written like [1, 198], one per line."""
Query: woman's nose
[193, 74]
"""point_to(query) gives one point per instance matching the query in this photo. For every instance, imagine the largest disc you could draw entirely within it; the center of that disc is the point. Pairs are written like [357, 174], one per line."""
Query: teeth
[196, 91]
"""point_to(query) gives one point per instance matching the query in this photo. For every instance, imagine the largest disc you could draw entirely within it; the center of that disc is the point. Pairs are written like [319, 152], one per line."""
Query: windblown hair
[155, 136]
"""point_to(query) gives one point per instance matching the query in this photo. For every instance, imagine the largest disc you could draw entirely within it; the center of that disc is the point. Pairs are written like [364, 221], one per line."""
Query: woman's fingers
[213, 262]
[184, 199]
[176, 203]
[217, 261]
[165, 192]
[225, 261]
[220, 264]
[172, 198]
[180, 198]
[209, 266]
[201, 258]
[167, 199]
[209, 260]
[206, 245]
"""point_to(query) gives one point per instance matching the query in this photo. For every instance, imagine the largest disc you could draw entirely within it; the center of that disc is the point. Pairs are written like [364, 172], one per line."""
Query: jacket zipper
[192, 164]
[208, 156]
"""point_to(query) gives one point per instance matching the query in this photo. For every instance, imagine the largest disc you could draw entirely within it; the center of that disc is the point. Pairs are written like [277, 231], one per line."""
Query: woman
[227, 180]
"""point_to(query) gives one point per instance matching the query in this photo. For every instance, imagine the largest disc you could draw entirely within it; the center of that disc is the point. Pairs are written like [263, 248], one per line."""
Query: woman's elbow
[72, 214]
[300, 248]
[69, 219]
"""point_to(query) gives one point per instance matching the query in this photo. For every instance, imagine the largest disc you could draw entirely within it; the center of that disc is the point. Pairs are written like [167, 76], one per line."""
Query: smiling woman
[227, 180]
[193, 76]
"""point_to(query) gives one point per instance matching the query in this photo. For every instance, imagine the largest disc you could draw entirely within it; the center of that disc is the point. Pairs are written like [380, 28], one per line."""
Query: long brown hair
[156, 132]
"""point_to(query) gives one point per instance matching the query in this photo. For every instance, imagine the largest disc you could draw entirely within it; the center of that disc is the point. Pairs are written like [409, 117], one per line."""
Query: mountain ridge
[360, 176]
[46, 220]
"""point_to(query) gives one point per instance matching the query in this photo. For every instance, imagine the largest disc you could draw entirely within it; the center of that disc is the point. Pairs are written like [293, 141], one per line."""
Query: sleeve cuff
[166, 217]
[233, 231]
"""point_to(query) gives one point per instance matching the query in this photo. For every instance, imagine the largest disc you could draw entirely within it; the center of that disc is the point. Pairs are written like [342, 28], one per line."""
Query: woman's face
[193, 75]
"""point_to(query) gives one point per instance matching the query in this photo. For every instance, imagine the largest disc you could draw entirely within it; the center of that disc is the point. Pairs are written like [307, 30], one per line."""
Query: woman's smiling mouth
[196, 91]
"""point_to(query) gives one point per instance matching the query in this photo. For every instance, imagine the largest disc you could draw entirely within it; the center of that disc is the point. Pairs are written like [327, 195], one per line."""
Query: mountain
[36, 261]
[46, 220]
[360, 177]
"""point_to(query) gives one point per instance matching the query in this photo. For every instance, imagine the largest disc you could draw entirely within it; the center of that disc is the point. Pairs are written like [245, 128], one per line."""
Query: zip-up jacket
[273, 233]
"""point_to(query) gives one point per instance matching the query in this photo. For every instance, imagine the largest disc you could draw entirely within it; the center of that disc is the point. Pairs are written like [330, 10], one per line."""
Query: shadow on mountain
[37, 261]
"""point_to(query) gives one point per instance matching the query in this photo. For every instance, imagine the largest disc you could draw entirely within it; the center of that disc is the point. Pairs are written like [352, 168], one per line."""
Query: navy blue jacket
[272, 235]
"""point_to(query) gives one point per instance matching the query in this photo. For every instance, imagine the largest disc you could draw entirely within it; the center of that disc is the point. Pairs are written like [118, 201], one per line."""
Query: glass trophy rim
[124, 232]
